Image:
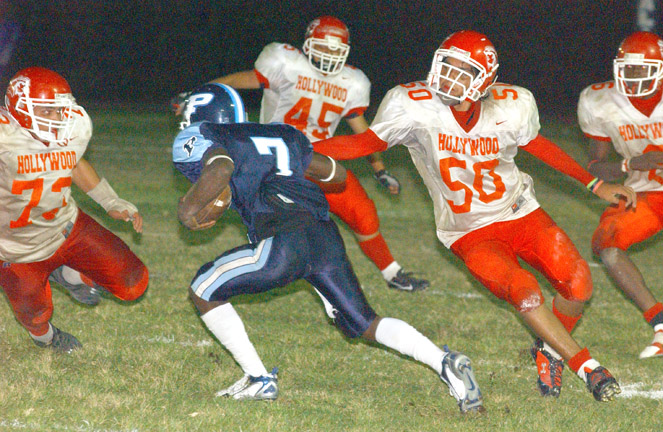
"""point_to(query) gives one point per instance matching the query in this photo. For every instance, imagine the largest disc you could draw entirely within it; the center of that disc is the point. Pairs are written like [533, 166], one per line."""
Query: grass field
[152, 366]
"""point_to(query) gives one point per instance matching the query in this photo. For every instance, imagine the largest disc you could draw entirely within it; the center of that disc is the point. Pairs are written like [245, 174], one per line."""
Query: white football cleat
[655, 349]
[264, 387]
[458, 375]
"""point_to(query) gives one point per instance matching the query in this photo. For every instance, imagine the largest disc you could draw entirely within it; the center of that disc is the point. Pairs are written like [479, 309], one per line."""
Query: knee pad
[137, 284]
[355, 208]
[35, 321]
[579, 286]
[360, 215]
[365, 221]
[524, 292]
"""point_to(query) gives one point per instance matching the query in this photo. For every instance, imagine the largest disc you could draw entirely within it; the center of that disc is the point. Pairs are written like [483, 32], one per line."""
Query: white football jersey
[305, 98]
[35, 189]
[605, 114]
[471, 176]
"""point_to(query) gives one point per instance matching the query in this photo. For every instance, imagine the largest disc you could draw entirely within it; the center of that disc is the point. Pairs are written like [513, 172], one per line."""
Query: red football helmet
[469, 47]
[327, 44]
[38, 87]
[638, 67]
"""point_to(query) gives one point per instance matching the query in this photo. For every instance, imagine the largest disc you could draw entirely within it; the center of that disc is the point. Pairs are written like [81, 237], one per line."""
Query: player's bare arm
[325, 169]
[358, 125]
[602, 168]
[239, 80]
[600, 165]
[196, 209]
[85, 177]
[605, 169]
[646, 162]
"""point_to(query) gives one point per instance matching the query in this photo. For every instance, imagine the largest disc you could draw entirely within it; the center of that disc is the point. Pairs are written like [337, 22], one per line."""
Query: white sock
[72, 276]
[402, 337]
[228, 328]
[390, 271]
[46, 337]
[587, 367]
[658, 327]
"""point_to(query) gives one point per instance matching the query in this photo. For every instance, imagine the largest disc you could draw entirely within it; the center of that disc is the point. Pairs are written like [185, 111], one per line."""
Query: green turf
[152, 366]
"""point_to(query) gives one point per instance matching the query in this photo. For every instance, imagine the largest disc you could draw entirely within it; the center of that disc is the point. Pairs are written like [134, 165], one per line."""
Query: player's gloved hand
[388, 181]
[177, 102]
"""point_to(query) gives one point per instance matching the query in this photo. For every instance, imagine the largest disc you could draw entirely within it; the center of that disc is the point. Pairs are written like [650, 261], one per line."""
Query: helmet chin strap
[448, 101]
[46, 137]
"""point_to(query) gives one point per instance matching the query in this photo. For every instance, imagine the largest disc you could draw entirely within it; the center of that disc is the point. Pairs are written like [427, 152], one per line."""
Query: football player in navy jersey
[291, 237]
[313, 90]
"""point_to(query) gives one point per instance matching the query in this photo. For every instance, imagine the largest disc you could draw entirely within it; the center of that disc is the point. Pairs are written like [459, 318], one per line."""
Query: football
[208, 215]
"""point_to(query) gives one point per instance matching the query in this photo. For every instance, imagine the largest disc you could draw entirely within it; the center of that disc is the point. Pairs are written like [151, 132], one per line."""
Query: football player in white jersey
[313, 91]
[626, 116]
[463, 132]
[43, 136]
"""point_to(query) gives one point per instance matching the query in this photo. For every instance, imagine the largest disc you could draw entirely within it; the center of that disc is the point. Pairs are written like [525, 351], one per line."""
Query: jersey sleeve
[359, 96]
[189, 147]
[82, 129]
[586, 118]
[392, 123]
[270, 64]
[530, 112]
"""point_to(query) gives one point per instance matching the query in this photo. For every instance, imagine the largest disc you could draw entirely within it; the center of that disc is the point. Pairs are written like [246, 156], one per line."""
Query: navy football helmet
[214, 103]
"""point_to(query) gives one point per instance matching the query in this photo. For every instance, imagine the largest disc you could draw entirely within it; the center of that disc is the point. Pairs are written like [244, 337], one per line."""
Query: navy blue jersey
[268, 185]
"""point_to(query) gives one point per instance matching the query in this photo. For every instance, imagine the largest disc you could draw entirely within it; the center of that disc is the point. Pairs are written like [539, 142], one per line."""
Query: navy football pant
[315, 253]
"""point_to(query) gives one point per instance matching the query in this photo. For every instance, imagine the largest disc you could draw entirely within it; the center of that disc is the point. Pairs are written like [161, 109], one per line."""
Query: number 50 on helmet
[34, 91]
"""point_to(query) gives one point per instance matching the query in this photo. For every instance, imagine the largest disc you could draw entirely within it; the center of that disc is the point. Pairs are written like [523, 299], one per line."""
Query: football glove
[387, 180]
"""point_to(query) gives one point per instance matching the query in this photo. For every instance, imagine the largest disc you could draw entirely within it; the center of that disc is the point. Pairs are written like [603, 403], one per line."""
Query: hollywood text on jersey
[321, 87]
[466, 145]
[54, 161]
[646, 131]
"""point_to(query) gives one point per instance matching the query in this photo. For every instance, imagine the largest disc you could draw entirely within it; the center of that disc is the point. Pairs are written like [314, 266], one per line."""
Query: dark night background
[143, 52]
